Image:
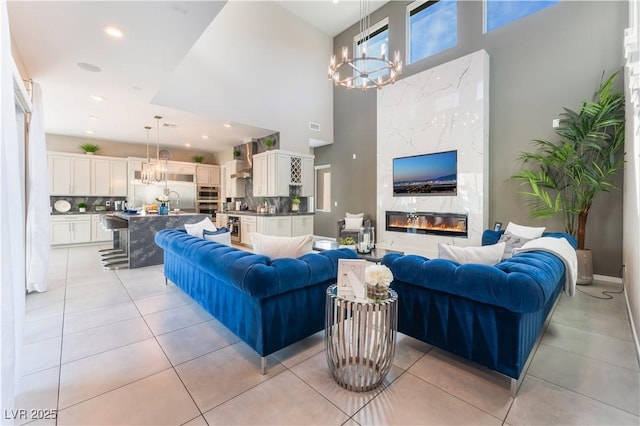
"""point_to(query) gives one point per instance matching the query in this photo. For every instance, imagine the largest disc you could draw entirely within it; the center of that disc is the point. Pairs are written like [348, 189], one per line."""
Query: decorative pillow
[511, 242]
[487, 255]
[279, 247]
[529, 232]
[196, 229]
[356, 215]
[353, 223]
[221, 235]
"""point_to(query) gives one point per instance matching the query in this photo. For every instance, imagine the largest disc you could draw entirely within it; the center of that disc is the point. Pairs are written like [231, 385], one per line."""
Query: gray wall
[540, 64]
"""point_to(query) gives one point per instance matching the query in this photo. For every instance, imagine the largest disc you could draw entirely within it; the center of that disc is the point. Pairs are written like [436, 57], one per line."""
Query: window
[502, 12]
[323, 188]
[377, 44]
[433, 27]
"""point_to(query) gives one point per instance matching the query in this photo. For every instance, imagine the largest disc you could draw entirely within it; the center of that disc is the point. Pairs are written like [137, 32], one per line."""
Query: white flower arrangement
[378, 275]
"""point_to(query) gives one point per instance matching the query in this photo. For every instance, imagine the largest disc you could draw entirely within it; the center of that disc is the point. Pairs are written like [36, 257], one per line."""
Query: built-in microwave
[208, 192]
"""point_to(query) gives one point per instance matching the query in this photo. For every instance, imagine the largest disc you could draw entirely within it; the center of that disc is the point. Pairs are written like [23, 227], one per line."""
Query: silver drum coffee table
[360, 339]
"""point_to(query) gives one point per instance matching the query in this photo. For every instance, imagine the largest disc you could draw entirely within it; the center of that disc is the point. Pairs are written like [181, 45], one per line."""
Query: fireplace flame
[428, 224]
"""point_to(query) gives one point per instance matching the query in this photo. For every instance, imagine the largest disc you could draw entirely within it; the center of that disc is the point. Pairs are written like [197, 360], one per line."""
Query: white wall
[268, 70]
[631, 210]
[439, 109]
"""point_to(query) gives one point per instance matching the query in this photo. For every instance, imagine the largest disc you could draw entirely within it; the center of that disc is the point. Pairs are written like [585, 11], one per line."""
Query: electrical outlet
[107, 203]
[354, 156]
[555, 123]
[335, 204]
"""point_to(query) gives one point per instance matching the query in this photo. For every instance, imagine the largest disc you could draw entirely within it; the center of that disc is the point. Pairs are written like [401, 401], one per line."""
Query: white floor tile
[103, 338]
[198, 421]
[38, 391]
[176, 318]
[162, 302]
[616, 386]
[86, 378]
[48, 328]
[191, 342]
[411, 401]
[40, 355]
[302, 350]
[470, 383]
[94, 301]
[141, 288]
[221, 375]
[83, 320]
[409, 350]
[160, 399]
[543, 403]
[282, 400]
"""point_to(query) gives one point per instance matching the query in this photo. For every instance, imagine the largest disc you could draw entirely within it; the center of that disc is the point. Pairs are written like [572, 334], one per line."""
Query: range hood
[246, 158]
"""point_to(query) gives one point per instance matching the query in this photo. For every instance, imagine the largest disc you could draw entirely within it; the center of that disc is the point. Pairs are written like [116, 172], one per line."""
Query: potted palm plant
[567, 175]
[89, 148]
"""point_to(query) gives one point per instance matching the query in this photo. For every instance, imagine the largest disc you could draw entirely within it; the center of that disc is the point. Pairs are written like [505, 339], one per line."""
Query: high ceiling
[62, 46]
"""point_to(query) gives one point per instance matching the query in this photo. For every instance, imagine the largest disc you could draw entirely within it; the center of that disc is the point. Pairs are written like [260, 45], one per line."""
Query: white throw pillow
[353, 223]
[529, 232]
[221, 237]
[355, 215]
[511, 242]
[280, 247]
[486, 255]
[195, 229]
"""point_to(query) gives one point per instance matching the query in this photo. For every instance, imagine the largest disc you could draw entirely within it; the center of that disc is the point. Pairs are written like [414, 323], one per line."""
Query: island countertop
[139, 238]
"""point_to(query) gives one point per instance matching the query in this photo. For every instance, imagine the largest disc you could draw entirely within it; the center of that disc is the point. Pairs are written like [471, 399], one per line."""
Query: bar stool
[116, 257]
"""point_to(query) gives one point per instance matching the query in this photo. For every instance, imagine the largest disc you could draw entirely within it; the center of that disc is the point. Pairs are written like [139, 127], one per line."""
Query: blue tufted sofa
[491, 315]
[269, 304]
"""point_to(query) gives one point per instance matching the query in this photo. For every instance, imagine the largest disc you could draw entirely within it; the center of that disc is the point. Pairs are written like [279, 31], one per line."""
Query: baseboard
[607, 279]
[634, 332]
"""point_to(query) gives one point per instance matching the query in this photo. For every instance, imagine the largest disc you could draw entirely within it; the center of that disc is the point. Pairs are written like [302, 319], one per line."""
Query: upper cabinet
[275, 171]
[207, 175]
[69, 175]
[108, 177]
[73, 174]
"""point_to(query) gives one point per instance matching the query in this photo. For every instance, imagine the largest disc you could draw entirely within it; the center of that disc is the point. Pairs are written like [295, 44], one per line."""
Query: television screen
[426, 174]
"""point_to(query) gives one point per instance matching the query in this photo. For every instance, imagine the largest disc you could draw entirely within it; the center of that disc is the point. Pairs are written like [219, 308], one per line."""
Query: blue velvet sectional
[269, 304]
[491, 315]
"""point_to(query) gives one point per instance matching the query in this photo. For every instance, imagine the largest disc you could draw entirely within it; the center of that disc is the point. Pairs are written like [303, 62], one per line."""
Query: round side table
[360, 339]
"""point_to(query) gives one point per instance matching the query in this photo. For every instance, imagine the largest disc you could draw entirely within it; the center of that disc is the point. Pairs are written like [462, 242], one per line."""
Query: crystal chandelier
[365, 72]
[154, 171]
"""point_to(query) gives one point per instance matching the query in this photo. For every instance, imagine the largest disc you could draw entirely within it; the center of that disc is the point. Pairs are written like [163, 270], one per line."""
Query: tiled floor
[120, 347]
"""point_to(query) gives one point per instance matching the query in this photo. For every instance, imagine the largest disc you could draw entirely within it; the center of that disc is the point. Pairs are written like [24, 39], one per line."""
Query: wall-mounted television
[426, 174]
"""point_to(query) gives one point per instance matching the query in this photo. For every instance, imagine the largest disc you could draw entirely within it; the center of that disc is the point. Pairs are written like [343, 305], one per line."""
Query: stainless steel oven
[234, 228]
[208, 192]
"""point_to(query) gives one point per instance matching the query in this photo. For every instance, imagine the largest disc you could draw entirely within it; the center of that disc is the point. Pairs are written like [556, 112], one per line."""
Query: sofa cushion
[485, 255]
[355, 215]
[221, 235]
[529, 232]
[281, 247]
[196, 229]
[353, 223]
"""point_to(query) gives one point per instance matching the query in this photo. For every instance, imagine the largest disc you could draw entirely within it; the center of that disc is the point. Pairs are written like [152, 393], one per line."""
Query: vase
[377, 293]
[163, 209]
[585, 267]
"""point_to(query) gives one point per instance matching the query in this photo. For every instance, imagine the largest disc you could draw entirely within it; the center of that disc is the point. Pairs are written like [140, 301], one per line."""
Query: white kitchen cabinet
[70, 229]
[183, 168]
[275, 171]
[207, 175]
[278, 226]
[234, 187]
[108, 177]
[98, 233]
[69, 175]
[248, 225]
[222, 220]
[301, 225]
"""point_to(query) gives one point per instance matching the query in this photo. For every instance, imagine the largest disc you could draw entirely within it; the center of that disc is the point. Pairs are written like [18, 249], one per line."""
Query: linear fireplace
[446, 224]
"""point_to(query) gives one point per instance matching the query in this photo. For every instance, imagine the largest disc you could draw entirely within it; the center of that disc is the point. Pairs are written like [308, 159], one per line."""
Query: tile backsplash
[92, 202]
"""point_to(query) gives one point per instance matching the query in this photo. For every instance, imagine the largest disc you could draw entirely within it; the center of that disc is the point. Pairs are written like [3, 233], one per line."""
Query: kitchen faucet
[168, 193]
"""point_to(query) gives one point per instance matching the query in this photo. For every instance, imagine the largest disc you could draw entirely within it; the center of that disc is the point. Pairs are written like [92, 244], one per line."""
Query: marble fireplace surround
[440, 109]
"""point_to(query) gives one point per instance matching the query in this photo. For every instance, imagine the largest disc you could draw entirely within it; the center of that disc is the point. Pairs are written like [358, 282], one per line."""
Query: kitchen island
[138, 240]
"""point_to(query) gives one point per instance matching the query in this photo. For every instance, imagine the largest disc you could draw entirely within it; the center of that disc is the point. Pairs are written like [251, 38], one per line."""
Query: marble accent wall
[439, 109]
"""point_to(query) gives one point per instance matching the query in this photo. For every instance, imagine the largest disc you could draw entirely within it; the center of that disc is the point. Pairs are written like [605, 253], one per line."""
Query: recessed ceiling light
[205, 136]
[227, 125]
[89, 67]
[187, 145]
[113, 31]
[89, 132]
[97, 98]
[94, 117]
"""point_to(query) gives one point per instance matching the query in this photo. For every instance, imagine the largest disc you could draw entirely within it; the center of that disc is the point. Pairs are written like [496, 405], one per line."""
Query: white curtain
[12, 213]
[37, 199]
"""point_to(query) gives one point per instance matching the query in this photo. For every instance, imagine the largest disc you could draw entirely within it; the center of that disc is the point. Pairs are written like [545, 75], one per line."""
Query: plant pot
[377, 293]
[89, 153]
[163, 210]
[585, 267]
[82, 209]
